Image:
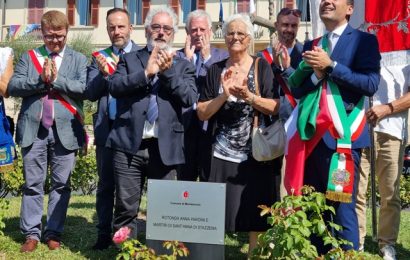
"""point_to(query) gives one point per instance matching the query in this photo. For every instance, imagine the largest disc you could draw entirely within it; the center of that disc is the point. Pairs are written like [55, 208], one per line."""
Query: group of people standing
[189, 114]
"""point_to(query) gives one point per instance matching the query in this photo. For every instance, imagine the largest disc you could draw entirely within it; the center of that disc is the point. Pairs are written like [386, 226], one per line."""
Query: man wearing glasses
[199, 52]
[151, 87]
[51, 80]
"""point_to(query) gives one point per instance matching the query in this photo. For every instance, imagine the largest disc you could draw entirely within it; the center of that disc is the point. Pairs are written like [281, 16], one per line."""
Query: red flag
[389, 20]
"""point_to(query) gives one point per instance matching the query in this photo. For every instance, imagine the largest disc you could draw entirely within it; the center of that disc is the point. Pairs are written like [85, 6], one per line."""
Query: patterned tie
[48, 103]
[152, 113]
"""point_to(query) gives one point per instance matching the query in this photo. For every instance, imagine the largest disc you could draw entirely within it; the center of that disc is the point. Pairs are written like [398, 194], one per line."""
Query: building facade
[88, 16]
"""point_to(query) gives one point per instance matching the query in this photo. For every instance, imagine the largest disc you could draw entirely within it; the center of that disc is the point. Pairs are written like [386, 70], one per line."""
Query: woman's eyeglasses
[288, 11]
[240, 35]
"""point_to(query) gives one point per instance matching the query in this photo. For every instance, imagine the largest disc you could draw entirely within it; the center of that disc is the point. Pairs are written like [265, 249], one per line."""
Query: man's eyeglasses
[51, 38]
[157, 28]
[288, 11]
[240, 35]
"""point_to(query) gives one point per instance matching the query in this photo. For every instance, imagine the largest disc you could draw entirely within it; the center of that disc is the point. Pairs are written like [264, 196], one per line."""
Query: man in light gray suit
[199, 52]
[119, 30]
[51, 80]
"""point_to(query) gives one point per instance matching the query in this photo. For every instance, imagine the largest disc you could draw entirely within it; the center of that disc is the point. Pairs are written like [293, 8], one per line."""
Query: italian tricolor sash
[316, 113]
[345, 129]
[109, 57]
[70, 104]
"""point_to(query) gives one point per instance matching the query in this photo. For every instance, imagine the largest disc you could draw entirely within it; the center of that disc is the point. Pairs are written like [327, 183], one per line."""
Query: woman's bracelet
[253, 99]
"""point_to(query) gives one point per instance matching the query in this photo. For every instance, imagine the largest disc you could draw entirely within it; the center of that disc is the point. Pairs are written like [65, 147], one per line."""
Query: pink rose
[121, 235]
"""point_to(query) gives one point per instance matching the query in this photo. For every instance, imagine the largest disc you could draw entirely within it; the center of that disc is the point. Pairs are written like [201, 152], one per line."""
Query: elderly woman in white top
[228, 101]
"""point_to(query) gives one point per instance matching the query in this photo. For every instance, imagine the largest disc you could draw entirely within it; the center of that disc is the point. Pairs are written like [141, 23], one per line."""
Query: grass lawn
[80, 235]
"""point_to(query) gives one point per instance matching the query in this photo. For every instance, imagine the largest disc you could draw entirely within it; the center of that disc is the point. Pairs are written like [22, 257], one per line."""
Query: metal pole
[373, 177]
[118, 4]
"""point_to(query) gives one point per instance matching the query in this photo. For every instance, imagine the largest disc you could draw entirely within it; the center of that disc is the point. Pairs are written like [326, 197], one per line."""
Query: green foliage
[82, 42]
[12, 180]
[293, 221]
[133, 249]
[22, 44]
[84, 177]
[404, 192]
[4, 205]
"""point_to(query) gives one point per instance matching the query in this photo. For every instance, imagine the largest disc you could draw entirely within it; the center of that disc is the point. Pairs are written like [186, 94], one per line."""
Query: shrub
[12, 180]
[133, 249]
[4, 205]
[293, 221]
[84, 177]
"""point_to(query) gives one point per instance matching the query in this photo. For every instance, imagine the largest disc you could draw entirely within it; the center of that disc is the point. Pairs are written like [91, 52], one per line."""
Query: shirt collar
[60, 54]
[339, 30]
[126, 49]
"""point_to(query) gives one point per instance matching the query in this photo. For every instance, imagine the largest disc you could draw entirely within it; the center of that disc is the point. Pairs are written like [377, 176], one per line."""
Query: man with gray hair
[199, 52]
[151, 87]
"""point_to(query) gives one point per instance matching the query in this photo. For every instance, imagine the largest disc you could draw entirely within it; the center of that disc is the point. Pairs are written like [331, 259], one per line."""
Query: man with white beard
[151, 87]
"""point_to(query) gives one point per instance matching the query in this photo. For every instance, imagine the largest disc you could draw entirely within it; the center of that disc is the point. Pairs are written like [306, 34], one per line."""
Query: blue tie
[152, 113]
[198, 63]
[112, 102]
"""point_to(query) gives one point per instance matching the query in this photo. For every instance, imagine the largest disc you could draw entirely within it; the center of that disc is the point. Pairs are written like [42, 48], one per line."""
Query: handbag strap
[256, 82]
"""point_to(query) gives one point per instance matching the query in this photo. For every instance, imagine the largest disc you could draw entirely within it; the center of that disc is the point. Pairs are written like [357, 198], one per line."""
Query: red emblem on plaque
[185, 194]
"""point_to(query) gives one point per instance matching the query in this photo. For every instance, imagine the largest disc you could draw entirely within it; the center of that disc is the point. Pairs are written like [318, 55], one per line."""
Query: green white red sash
[109, 57]
[71, 105]
[345, 129]
[329, 113]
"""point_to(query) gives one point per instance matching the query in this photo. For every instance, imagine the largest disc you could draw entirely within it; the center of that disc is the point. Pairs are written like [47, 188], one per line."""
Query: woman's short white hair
[242, 17]
[162, 9]
[199, 13]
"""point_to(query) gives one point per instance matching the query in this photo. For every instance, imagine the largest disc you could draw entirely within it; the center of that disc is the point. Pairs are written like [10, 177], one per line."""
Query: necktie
[198, 63]
[112, 102]
[152, 113]
[48, 104]
[329, 42]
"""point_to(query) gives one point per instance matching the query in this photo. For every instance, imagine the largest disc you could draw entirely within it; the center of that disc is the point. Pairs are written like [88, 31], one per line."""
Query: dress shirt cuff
[314, 79]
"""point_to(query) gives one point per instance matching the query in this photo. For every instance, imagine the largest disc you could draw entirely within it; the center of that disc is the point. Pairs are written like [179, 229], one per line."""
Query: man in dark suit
[199, 52]
[151, 87]
[51, 80]
[350, 59]
[103, 65]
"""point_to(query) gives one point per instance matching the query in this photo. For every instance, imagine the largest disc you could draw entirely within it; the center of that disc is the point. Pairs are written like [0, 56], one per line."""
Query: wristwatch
[329, 69]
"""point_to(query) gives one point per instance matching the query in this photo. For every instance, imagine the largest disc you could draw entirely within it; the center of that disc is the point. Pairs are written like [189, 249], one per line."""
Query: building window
[304, 6]
[174, 4]
[35, 11]
[242, 6]
[83, 12]
[191, 5]
[138, 10]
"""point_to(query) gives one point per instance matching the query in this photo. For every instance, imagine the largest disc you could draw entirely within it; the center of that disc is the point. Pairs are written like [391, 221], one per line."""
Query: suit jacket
[97, 89]
[129, 85]
[27, 83]
[201, 69]
[357, 74]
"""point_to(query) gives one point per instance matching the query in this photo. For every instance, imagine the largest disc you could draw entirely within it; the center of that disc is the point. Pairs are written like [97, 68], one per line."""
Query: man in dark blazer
[119, 30]
[51, 80]
[151, 86]
[352, 62]
[199, 52]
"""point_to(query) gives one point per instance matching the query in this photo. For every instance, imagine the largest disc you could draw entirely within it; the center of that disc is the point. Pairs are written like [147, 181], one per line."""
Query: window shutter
[201, 4]
[35, 11]
[145, 8]
[174, 4]
[71, 11]
[95, 4]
